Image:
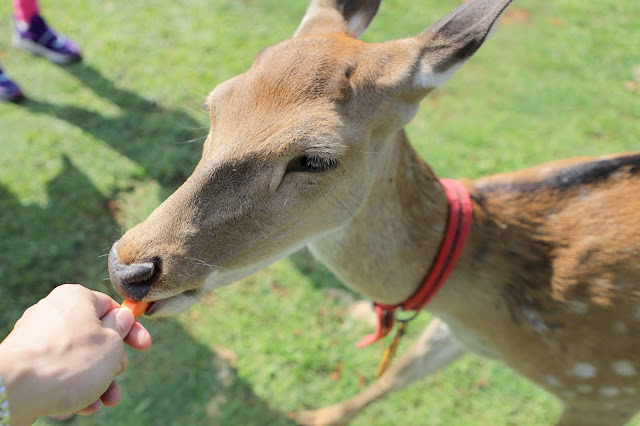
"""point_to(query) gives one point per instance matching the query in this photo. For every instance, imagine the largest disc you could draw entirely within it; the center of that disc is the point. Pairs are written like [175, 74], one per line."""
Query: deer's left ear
[440, 50]
[338, 16]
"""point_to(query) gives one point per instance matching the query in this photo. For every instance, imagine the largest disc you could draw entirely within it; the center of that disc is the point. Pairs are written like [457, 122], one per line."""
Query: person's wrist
[15, 373]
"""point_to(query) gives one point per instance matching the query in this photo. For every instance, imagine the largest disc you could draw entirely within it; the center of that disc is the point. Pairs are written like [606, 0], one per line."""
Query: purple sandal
[36, 37]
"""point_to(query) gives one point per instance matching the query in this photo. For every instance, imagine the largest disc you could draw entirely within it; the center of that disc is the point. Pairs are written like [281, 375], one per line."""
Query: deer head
[283, 162]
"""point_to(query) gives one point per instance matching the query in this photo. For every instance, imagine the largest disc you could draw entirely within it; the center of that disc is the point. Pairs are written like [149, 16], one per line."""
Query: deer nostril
[133, 281]
[136, 273]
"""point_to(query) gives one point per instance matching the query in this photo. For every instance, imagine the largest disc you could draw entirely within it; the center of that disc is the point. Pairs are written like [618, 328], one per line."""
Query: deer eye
[312, 163]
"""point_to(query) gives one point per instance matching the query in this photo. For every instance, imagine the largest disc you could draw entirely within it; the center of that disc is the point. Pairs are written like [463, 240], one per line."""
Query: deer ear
[449, 43]
[338, 16]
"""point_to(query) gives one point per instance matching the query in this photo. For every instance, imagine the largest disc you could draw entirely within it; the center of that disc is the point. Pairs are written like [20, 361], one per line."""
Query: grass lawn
[99, 144]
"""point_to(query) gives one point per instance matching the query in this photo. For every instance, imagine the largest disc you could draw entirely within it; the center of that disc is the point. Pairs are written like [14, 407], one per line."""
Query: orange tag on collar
[390, 352]
[383, 326]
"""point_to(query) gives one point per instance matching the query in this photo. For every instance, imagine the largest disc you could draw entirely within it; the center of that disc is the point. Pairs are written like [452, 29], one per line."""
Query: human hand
[64, 353]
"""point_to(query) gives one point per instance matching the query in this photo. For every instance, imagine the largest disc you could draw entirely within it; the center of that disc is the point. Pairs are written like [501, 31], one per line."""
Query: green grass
[100, 144]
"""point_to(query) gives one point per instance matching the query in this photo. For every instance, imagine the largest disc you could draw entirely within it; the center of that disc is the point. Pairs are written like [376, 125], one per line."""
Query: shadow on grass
[182, 382]
[321, 276]
[61, 241]
[166, 142]
[64, 240]
[178, 381]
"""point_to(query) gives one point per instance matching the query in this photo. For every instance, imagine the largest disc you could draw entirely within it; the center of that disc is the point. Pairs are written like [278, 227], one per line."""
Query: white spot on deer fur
[609, 405]
[609, 391]
[584, 194]
[426, 77]
[585, 388]
[357, 24]
[629, 390]
[578, 307]
[551, 380]
[623, 368]
[601, 282]
[569, 394]
[583, 370]
[532, 317]
[636, 313]
[620, 327]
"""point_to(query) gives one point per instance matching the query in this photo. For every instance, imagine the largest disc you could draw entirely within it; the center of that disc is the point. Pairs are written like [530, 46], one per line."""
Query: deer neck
[385, 249]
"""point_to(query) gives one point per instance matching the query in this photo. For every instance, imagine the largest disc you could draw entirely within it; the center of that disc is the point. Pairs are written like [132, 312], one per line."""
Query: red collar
[455, 237]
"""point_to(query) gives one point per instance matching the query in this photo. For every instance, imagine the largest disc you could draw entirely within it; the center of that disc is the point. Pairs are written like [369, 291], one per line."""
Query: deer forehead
[293, 72]
[296, 97]
[275, 136]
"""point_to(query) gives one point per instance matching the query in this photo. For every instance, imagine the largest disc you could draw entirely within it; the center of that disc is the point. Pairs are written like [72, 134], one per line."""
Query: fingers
[120, 320]
[65, 294]
[133, 333]
[62, 417]
[103, 303]
[138, 337]
[90, 409]
[112, 396]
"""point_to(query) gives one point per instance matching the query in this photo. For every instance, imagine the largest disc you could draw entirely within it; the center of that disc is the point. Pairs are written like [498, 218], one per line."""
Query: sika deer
[550, 262]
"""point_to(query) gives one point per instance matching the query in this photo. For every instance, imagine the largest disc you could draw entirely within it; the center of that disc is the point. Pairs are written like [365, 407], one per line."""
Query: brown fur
[547, 282]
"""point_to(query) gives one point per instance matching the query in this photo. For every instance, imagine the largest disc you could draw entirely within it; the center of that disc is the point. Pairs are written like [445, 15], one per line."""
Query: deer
[308, 149]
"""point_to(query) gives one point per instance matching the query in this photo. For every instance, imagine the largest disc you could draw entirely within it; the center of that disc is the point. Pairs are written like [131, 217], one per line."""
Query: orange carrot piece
[138, 308]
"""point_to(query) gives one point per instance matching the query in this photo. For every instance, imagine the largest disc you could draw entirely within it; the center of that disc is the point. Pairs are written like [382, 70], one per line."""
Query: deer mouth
[174, 305]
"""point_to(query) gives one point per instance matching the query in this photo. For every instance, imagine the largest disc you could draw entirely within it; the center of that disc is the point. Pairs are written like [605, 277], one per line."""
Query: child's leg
[24, 10]
[34, 35]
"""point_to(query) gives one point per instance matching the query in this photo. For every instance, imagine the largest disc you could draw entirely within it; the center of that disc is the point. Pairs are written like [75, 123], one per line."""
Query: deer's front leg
[434, 349]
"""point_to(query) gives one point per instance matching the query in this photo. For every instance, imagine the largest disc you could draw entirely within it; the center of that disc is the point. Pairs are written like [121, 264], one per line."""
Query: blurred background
[99, 144]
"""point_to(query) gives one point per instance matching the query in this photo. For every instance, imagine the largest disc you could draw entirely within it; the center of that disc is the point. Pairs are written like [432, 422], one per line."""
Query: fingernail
[124, 319]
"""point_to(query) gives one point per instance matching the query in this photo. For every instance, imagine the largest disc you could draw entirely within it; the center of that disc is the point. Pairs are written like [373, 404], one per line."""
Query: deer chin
[174, 305]
[167, 306]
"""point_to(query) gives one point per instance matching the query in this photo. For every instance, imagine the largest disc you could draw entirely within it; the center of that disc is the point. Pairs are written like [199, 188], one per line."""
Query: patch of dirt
[516, 15]
[113, 206]
[341, 295]
[280, 291]
[337, 373]
[362, 380]
[226, 377]
[225, 361]
[513, 15]
[482, 382]
[226, 354]
[362, 311]
[213, 408]
[634, 85]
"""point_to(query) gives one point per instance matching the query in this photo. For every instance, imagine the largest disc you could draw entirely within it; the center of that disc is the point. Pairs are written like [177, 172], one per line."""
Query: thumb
[120, 320]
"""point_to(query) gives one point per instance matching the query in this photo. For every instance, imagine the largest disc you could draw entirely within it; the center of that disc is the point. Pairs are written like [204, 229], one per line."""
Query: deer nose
[132, 281]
